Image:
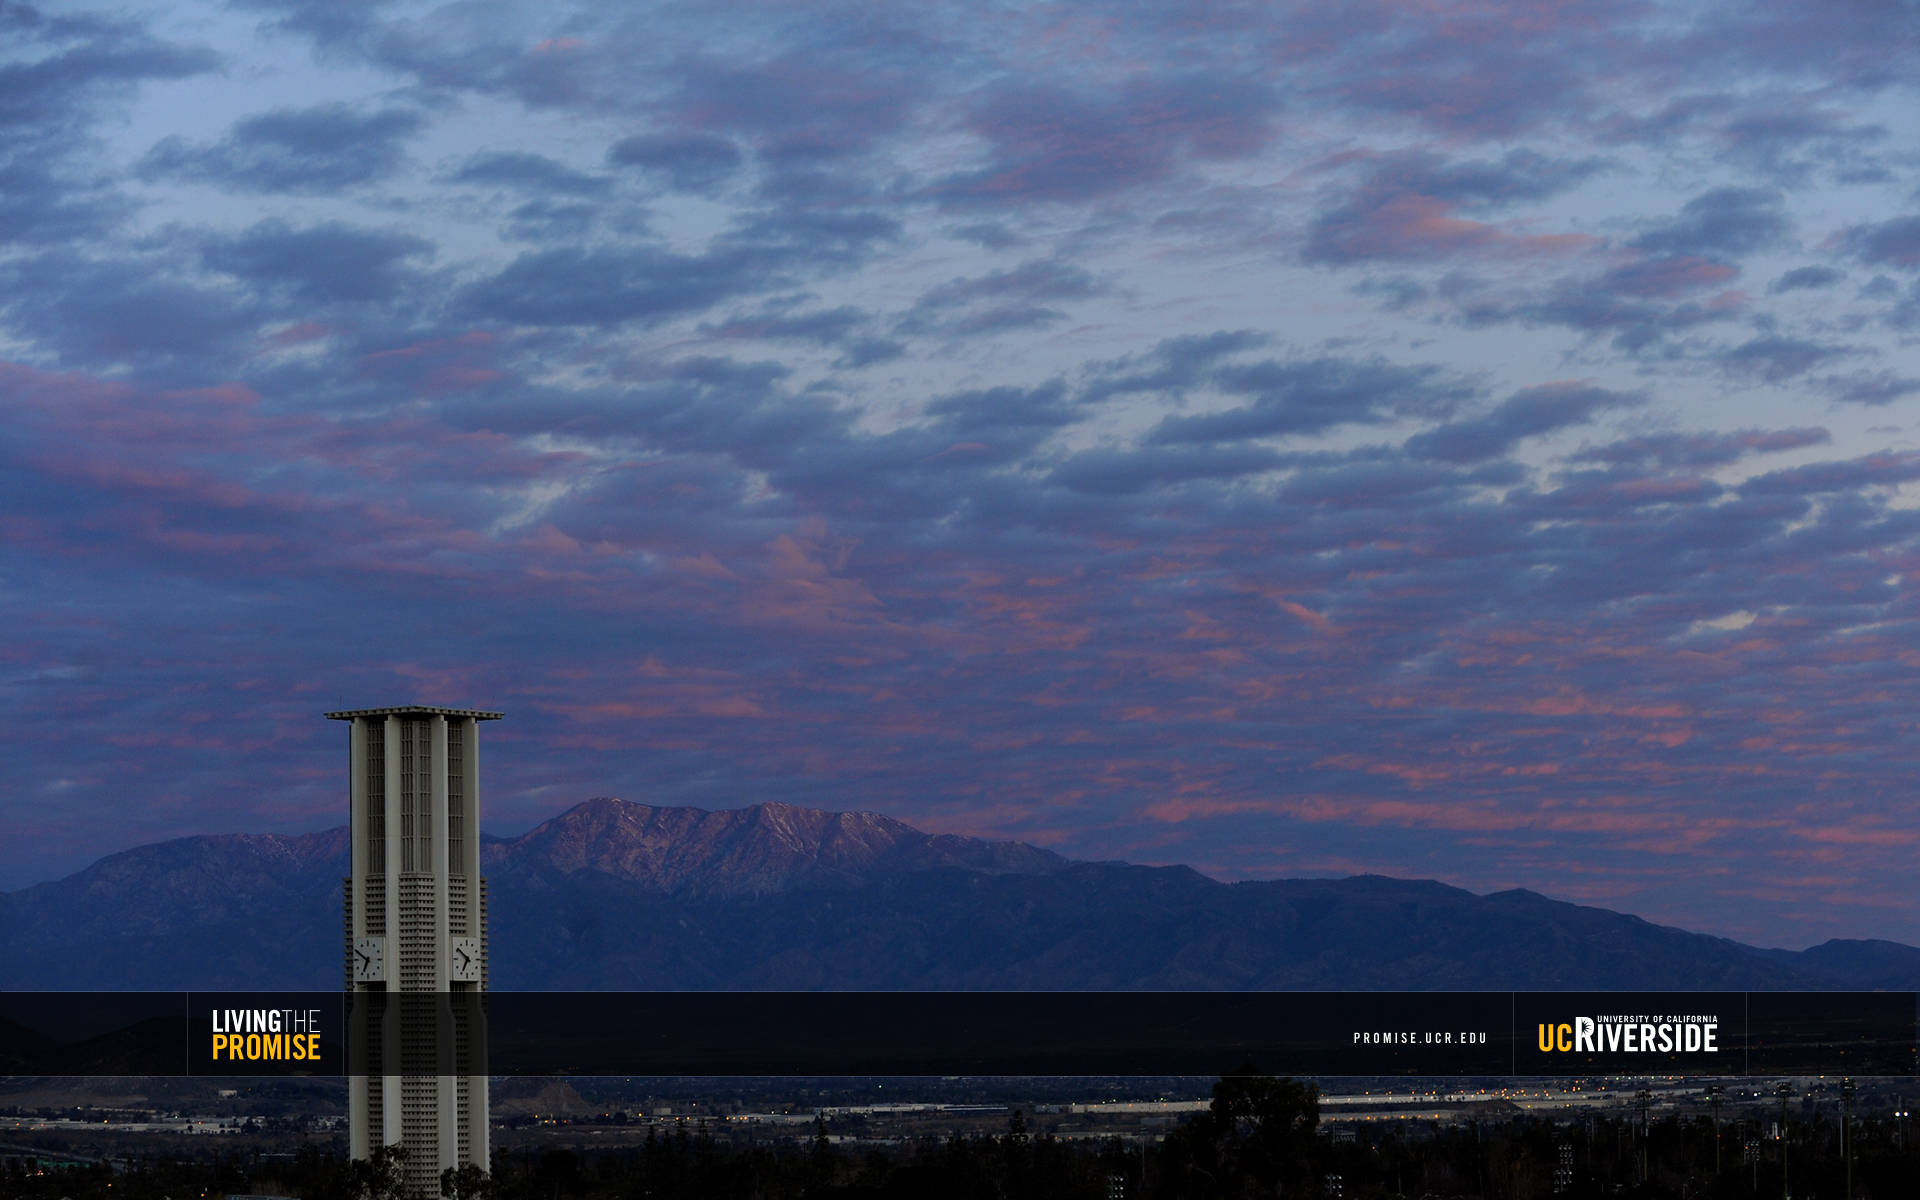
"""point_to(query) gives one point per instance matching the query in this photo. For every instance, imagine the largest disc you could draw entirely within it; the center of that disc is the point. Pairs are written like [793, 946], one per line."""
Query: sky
[1445, 440]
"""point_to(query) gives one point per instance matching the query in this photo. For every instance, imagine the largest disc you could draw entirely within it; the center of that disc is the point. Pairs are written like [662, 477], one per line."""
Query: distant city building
[416, 926]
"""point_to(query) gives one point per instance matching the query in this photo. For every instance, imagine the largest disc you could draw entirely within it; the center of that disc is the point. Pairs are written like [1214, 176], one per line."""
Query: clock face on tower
[369, 959]
[463, 960]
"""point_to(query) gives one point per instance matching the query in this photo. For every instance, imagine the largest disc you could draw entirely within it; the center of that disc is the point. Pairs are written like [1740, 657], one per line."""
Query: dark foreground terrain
[1259, 1136]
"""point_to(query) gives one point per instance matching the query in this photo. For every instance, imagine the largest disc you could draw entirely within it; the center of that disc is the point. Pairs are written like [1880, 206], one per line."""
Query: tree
[820, 1161]
[1017, 1128]
[1256, 1138]
[379, 1175]
[465, 1182]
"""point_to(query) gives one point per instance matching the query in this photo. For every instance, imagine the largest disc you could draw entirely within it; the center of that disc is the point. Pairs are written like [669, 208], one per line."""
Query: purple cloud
[1310, 396]
[1529, 413]
[1051, 144]
[1894, 243]
[688, 162]
[322, 149]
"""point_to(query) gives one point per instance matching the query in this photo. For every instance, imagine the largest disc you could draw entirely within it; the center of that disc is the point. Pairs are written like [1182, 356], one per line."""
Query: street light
[1846, 1130]
[1785, 1092]
[1644, 1099]
[1714, 1093]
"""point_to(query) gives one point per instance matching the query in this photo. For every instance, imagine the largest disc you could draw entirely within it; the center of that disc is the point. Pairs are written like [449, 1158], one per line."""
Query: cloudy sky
[1438, 439]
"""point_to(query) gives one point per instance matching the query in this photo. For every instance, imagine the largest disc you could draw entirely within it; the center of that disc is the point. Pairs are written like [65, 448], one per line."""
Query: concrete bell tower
[416, 924]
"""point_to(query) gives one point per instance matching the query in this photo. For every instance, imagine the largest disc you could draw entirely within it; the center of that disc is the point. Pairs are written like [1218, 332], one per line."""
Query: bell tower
[416, 924]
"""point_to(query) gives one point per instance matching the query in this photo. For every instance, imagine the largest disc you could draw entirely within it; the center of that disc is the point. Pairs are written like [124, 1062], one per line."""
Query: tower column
[357, 1139]
[392, 1108]
[478, 1134]
[447, 1152]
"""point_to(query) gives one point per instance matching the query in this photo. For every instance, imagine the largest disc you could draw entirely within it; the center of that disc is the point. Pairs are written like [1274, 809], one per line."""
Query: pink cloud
[1410, 225]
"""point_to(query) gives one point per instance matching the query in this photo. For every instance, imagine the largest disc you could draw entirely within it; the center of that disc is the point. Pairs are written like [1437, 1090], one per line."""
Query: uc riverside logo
[266, 1034]
[1691, 1033]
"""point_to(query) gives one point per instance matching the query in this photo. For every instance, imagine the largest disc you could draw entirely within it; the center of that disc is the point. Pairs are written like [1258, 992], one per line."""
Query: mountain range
[617, 895]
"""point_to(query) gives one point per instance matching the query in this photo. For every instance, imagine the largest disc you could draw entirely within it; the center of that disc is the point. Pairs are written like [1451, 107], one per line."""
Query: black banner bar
[1000, 1033]
[1404, 1034]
